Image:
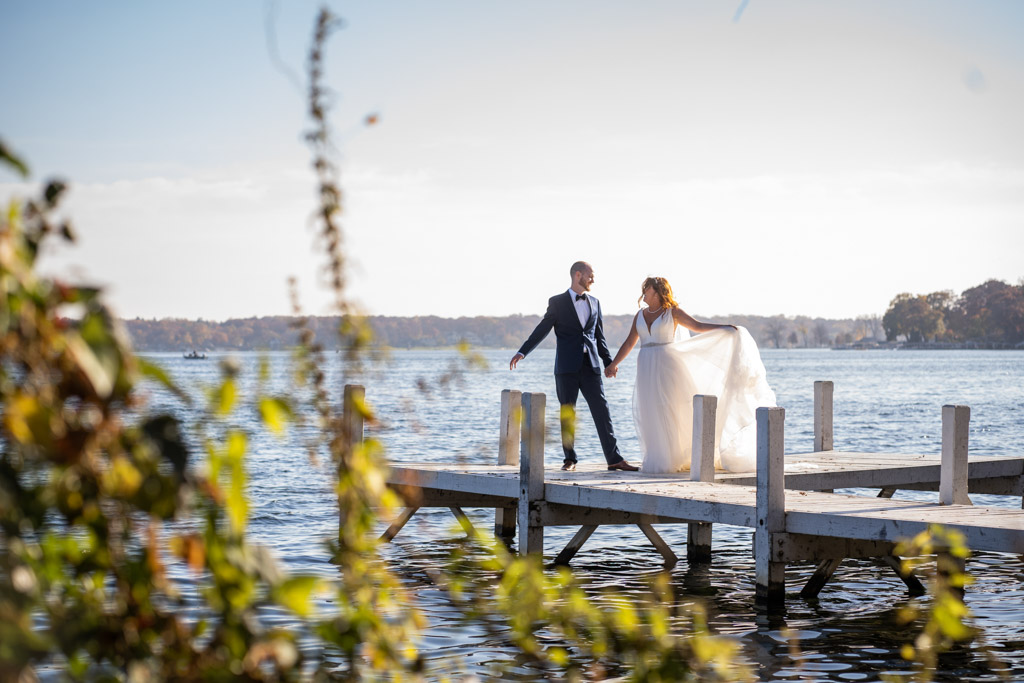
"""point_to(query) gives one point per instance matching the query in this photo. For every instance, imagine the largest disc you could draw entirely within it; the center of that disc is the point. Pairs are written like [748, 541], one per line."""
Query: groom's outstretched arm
[541, 331]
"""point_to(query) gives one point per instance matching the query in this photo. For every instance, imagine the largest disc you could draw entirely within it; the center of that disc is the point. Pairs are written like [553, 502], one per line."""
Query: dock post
[702, 468]
[531, 474]
[508, 454]
[355, 394]
[823, 416]
[771, 506]
[956, 421]
[352, 421]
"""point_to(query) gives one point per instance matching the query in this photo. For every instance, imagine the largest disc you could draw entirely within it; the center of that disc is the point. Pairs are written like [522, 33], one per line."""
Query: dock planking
[674, 499]
[791, 506]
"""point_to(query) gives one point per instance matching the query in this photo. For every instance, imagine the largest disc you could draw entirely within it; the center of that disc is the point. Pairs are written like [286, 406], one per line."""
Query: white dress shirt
[582, 307]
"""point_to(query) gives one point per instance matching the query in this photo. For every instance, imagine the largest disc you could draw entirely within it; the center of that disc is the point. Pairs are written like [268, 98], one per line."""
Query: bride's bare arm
[624, 350]
[683, 318]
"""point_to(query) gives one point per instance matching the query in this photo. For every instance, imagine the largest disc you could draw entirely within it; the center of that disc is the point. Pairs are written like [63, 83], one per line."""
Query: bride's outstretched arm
[686, 320]
[624, 350]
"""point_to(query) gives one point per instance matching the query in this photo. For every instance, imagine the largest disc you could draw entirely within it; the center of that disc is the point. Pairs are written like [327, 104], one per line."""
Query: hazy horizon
[786, 158]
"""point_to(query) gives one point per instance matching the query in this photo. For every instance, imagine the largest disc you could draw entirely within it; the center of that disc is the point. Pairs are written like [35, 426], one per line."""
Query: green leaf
[296, 594]
[276, 412]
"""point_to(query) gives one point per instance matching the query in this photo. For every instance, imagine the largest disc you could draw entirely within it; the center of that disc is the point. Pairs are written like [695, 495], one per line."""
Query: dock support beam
[531, 474]
[956, 422]
[771, 507]
[823, 416]
[702, 468]
[508, 454]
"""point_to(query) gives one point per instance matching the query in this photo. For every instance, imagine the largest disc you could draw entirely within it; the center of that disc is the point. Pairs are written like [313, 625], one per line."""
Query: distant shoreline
[508, 332]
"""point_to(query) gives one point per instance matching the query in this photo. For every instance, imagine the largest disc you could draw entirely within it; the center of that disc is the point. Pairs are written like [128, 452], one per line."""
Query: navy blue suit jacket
[571, 337]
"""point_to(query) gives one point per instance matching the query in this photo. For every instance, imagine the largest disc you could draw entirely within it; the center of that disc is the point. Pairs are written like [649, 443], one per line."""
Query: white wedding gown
[672, 368]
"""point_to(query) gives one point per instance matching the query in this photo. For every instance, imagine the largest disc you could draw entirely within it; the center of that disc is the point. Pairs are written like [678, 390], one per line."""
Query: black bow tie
[581, 296]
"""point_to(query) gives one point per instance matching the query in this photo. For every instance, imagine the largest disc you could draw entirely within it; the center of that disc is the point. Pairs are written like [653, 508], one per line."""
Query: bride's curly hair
[662, 288]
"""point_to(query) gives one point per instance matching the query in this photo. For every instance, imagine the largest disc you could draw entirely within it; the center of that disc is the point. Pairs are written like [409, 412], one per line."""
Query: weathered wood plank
[508, 454]
[823, 392]
[659, 543]
[702, 446]
[956, 422]
[770, 506]
[531, 474]
[702, 468]
[822, 573]
[353, 398]
[554, 514]
[463, 520]
[575, 543]
[913, 584]
[396, 526]
[695, 501]
[790, 547]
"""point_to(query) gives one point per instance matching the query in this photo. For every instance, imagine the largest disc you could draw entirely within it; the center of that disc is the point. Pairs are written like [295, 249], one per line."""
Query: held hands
[515, 359]
[611, 370]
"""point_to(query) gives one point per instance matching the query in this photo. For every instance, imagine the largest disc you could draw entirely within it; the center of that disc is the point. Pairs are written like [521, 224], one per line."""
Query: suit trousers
[568, 387]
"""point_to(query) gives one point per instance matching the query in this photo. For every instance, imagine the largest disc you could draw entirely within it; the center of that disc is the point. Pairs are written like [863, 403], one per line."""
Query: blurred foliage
[563, 632]
[942, 553]
[86, 489]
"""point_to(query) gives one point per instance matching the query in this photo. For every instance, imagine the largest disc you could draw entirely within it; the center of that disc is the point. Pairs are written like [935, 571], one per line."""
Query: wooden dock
[788, 501]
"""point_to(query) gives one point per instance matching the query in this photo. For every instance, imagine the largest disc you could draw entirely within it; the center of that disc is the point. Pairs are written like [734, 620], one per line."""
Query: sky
[783, 157]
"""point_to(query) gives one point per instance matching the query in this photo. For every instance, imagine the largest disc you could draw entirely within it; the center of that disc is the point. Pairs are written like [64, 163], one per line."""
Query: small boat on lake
[194, 355]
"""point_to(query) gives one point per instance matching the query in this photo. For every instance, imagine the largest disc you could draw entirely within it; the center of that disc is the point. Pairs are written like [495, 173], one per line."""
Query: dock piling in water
[770, 506]
[508, 454]
[531, 474]
[702, 468]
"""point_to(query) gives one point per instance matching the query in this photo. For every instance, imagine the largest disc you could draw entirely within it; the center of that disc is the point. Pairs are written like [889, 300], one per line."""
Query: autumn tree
[914, 317]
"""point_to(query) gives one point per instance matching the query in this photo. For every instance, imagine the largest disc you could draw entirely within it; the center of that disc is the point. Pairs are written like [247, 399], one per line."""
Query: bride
[722, 361]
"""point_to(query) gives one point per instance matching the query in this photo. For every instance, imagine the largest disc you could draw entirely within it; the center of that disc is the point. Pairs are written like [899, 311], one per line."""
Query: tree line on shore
[507, 332]
[990, 314]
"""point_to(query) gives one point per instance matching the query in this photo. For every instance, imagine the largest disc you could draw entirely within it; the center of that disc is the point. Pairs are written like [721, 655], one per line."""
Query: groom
[579, 332]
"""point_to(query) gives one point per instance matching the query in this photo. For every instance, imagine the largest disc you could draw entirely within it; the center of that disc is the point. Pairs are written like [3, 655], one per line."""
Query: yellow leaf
[296, 593]
[275, 413]
[20, 413]
[949, 613]
[226, 397]
[123, 478]
[237, 504]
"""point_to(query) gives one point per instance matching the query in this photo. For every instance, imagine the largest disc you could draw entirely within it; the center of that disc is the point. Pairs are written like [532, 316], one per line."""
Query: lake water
[884, 400]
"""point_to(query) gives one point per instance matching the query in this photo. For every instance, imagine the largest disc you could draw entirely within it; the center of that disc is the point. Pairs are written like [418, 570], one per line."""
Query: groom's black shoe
[624, 466]
[569, 467]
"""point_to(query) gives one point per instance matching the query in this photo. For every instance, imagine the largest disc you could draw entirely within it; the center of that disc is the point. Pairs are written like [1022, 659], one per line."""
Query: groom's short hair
[578, 267]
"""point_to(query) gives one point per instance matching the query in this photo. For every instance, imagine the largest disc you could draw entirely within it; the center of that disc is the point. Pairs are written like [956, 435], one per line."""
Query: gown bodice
[663, 330]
